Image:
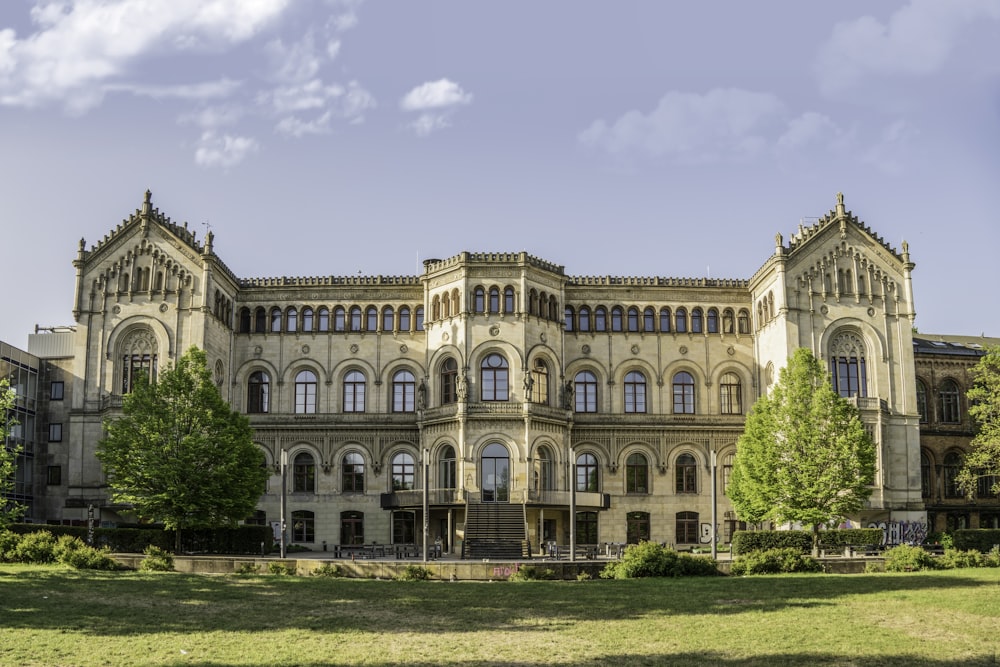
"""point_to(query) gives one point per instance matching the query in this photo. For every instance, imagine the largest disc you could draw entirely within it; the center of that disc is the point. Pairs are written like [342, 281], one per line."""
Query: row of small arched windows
[941, 480]
[946, 409]
[494, 300]
[323, 319]
[404, 392]
[680, 320]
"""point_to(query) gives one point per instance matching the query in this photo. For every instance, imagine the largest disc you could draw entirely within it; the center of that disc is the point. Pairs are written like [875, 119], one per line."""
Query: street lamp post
[284, 493]
[426, 499]
[715, 502]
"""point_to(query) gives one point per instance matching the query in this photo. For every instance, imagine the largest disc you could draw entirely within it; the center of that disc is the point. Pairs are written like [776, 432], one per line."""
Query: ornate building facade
[492, 384]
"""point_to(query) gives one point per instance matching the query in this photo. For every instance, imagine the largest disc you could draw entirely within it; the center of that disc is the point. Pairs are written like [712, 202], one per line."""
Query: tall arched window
[539, 382]
[546, 469]
[731, 394]
[680, 320]
[404, 318]
[600, 319]
[355, 318]
[139, 358]
[353, 473]
[847, 365]
[948, 403]
[371, 319]
[508, 299]
[275, 320]
[584, 318]
[569, 317]
[686, 474]
[307, 319]
[616, 318]
[587, 479]
[260, 321]
[728, 320]
[446, 469]
[403, 391]
[245, 323]
[926, 490]
[479, 300]
[743, 322]
[303, 473]
[922, 401]
[636, 473]
[403, 472]
[683, 393]
[649, 320]
[952, 464]
[494, 379]
[585, 391]
[388, 319]
[339, 319]
[633, 319]
[665, 320]
[449, 381]
[292, 320]
[712, 321]
[418, 318]
[354, 392]
[494, 300]
[305, 393]
[696, 318]
[445, 305]
[635, 392]
[258, 392]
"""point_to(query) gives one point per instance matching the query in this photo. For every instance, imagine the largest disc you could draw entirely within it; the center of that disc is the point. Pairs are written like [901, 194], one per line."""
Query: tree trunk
[815, 549]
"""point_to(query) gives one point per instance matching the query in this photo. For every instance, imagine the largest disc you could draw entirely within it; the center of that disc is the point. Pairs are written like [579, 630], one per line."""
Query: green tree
[180, 455]
[983, 460]
[9, 510]
[804, 454]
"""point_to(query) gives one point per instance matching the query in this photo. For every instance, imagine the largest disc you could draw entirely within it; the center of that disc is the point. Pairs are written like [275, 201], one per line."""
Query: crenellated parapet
[331, 281]
[656, 281]
[465, 258]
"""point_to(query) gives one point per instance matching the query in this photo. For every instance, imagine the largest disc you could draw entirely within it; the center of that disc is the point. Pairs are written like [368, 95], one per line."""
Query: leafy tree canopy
[983, 460]
[805, 455]
[9, 510]
[179, 454]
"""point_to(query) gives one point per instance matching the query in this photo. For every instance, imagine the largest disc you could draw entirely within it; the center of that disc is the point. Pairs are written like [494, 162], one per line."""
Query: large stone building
[500, 392]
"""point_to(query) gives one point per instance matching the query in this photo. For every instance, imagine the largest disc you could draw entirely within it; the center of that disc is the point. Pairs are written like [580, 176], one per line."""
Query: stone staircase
[495, 530]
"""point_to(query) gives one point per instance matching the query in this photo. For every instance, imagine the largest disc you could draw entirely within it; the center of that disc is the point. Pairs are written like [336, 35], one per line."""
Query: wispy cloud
[223, 150]
[436, 102]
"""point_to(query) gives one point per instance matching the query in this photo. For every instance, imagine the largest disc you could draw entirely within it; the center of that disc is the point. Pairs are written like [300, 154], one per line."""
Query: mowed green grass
[52, 616]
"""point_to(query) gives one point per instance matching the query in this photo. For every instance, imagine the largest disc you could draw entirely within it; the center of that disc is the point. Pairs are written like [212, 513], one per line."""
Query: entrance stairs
[495, 530]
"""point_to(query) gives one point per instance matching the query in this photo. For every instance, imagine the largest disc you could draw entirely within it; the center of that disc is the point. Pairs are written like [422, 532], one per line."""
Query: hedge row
[239, 540]
[980, 540]
[765, 540]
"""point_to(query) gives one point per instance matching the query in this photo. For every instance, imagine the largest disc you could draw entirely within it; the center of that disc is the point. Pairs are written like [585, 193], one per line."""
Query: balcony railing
[415, 498]
[869, 403]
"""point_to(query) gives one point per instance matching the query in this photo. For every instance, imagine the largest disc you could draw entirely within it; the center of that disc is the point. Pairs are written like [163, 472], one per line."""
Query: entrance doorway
[495, 473]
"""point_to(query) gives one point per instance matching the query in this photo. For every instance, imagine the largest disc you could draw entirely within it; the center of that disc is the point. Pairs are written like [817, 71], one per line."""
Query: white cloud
[427, 123]
[329, 102]
[213, 117]
[811, 129]
[191, 91]
[917, 40]
[296, 127]
[435, 95]
[725, 123]
[223, 151]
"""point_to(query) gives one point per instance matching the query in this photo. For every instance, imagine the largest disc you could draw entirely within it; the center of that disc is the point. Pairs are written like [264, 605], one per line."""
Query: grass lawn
[52, 616]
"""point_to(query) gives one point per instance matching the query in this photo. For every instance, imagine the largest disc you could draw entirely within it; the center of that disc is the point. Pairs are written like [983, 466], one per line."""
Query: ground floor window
[989, 520]
[730, 527]
[586, 527]
[637, 527]
[687, 528]
[404, 527]
[956, 521]
[303, 526]
[352, 528]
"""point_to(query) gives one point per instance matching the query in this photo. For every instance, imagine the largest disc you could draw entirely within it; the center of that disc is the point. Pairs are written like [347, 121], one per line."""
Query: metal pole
[284, 493]
[715, 502]
[426, 503]
[572, 505]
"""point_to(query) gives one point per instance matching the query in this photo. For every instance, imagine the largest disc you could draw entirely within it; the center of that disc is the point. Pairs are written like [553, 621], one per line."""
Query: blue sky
[321, 137]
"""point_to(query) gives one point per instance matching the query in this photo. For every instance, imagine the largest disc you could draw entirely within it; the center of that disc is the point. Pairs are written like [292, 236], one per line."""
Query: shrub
[279, 568]
[764, 540]
[157, 560]
[907, 558]
[993, 557]
[8, 544]
[855, 537]
[953, 559]
[532, 573]
[413, 573]
[774, 561]
[37, 547]
[649, 559]
[328, 570]
[72, 551]
[982, 539]
[247, 568]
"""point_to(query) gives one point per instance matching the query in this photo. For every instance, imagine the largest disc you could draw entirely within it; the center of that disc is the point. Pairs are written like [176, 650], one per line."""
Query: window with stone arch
[479, 300]
[404, 318]
[538, 382]
[275, 320]
[545, 479]
[449, 381]
[291, 319]
[388, 319]
[371, 319]
[686, 474]
[404, 387]
[403, 472]
[307, 319]
[633, 319]
[712, 321]
[635, 392]
[637, 473]
[949, 410]
[584, 317]
[680, 320]
[696, 320]
[587, 473]
[355, 318]
[922, 401]
[352, 479]
[508, 299]
[600, 319]
[494, 299]
[683, 386]
[649, 320]
[258, 392]
[665, 319]
[447, 472]
[354, 392]
[494, 378]
[303, 473]
[305, 393]
[847, 365]
[731, 394]
[585, 391]
[138, 354]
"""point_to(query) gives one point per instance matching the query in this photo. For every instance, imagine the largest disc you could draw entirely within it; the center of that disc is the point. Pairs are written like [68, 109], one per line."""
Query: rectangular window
[53, 475]
[55, 432]
[56, 391]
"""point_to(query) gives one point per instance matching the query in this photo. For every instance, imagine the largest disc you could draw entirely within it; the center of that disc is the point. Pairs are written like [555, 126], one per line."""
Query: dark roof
[958, 346]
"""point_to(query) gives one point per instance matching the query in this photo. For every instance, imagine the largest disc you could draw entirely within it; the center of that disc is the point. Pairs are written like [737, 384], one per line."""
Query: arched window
[712, 321]
[665, 320]
[600, 319]
[292, 320]
[494, 378]
[388, 319]
[446, 469]
[686, 528]
[303, 473]
[508, 299]
[553, 308]
[680, 320]
[948, 403]
[743, 322]
[479, 300]
[585, 390]
[403, 472]
[339, 319]
[445, 305]
[635, 392]
[371, 319]
[494, 300]
[847, 365]
[352, 479]
[546, 469]
[418, 317]
[922, 401]
[584, 318]
[636, 473]
[354, 392]
[727, 471]
[303, 526]
[403, 391]
[404, 318]
[587, 479]
[449, 381]
[307, 319]
[925, 476]
[539, 382]
[683, 393]
[696, 318]
[649, 320]
[258, 392]
[616, 318]
[731, 394]
[686, 474]
[260, 321]
[245, 323]
[532, 302]
[436, 308]
[728, 320]
[637, 527]
[952, 464]
[569, 316]
[633, 319]
[275, 320]
[139, 358]
[305, 393]
[355, 318]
